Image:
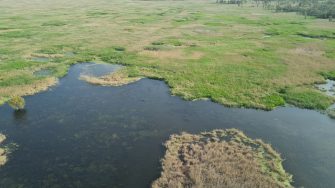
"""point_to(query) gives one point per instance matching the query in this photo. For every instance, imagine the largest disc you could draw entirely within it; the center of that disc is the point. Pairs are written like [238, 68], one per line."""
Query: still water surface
[81, 135]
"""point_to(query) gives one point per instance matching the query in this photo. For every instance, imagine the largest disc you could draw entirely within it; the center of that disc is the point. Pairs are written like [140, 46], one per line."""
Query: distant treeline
[317, 8]
[238, 2]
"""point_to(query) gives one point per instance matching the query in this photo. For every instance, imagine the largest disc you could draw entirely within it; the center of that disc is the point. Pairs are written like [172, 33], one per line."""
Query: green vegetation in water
[273, 101]
[308, 98]
[3, 157]
[17, 103]
[220, 158]
[5, 149]
[329, 75]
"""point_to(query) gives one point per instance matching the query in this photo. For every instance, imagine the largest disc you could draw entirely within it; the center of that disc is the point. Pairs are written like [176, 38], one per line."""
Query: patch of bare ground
[220, 158]
[117, 78]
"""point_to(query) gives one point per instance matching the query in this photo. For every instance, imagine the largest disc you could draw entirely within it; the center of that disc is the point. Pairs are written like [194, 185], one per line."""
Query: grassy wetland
[236, 56]
[71, 132]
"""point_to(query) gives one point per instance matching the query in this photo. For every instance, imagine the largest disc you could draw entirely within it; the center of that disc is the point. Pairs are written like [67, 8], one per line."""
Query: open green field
[236, 56]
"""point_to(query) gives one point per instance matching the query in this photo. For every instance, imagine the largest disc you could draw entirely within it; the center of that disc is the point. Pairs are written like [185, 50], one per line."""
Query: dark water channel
[81, 135]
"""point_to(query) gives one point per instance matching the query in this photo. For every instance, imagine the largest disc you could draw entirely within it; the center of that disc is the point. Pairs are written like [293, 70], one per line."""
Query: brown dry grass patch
[300, 61]
[46, 55]
[172, 54]
[221, 158]
[117, 78]
[29, 89]
[3, 156]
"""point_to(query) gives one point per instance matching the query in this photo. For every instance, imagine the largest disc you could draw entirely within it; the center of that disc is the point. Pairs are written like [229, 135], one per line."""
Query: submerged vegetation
[237, 56]
[220, 158]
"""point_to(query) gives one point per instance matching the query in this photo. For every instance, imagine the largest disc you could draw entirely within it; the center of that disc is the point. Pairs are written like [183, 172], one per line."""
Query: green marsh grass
[17, 103]
[308, 98]
[236, 56]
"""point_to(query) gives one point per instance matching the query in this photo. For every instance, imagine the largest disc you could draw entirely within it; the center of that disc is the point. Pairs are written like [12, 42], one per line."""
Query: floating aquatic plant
[17, 103]
[221, 158]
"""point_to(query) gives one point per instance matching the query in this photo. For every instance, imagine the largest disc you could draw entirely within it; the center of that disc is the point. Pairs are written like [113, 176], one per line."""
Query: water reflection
[20, 115]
